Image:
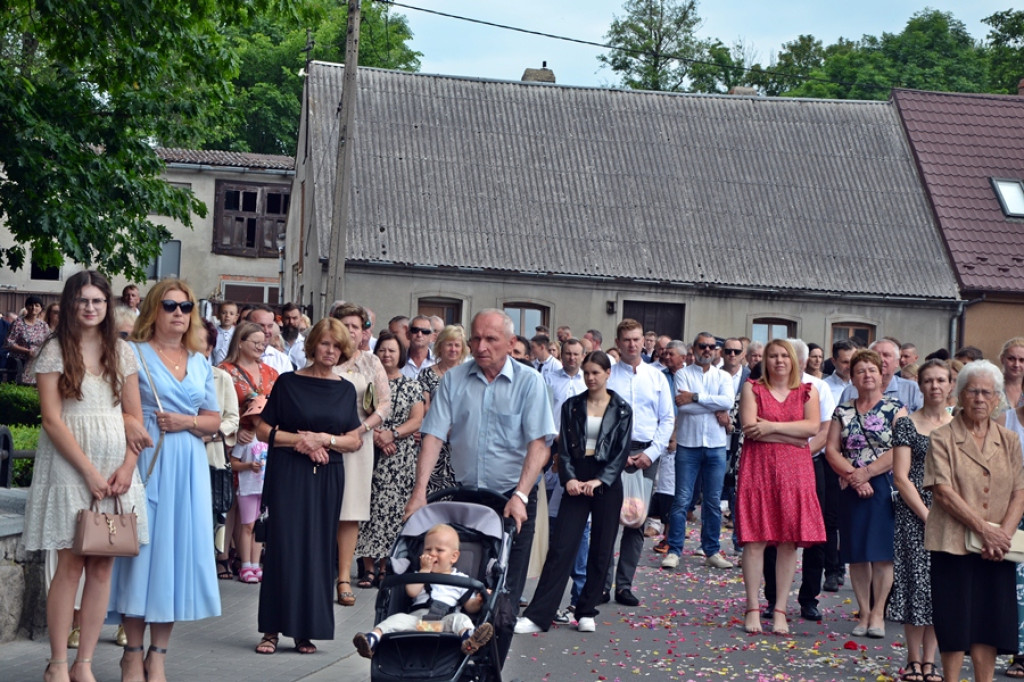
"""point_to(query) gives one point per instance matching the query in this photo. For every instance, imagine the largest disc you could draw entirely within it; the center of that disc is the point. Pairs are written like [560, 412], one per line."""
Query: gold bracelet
[195, 423]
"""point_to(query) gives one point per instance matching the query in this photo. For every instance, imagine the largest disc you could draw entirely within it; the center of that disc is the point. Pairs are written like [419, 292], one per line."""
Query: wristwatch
[394, 434]
[522, 496]
[333, 441]
[695, 398]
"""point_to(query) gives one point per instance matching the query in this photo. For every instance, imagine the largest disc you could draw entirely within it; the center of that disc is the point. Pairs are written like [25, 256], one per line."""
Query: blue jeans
[579, 568]
[707, 464]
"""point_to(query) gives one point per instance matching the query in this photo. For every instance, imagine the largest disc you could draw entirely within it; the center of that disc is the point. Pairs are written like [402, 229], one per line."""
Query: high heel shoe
[345, 597]
[152, 650]
[132, 650]
[53, 661]
[784, 630]
[752, 629]
[83, 661]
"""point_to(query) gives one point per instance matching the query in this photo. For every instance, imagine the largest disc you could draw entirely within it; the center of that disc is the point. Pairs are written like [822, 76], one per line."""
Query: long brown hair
[68, 335]
[242, 333]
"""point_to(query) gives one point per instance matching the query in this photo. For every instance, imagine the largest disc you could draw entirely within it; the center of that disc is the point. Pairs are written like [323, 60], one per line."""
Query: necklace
[177, 364]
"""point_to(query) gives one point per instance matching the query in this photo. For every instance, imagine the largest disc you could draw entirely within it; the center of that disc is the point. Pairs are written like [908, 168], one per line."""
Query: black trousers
[572, 519]
[518, 566]
[830, 509]
[814, 556]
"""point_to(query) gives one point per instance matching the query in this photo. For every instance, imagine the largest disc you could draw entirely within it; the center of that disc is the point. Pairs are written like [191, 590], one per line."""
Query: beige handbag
[102, 534]
[1015, 553]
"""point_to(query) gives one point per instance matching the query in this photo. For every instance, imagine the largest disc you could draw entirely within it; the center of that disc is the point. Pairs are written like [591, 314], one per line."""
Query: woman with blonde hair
[174, 578]
[776, 493]
[450, 350]
[87, 381]
[1012, 359]
[859, 449]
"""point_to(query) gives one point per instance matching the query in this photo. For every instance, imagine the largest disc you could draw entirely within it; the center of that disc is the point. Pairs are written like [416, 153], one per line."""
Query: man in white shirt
[647, 392]
[293, 340]
[839, 379]
[543, 361]
[420, 357]
[264, 317]
[813, 556]
[702, 390]
[228, 315]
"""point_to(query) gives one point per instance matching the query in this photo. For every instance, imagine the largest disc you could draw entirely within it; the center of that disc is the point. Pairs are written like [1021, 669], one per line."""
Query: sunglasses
[705, 346]
[169, 306]
[732, 351]
[420, 330]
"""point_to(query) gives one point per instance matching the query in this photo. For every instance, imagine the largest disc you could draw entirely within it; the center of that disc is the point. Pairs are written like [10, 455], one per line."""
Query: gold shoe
[74, 638]
[120, 637]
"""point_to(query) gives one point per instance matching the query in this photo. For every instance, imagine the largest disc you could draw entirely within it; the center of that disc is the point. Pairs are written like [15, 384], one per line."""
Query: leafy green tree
[1005, 50]
[267, 93]
[654, 42]
[720, 68]
[786, 71]
[86, 89]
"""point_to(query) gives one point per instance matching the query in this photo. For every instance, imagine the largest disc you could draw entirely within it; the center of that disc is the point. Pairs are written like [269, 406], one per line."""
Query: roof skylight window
[1011, 196]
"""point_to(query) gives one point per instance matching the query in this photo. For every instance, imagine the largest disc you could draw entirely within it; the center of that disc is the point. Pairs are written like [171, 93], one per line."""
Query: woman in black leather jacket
[593, 445]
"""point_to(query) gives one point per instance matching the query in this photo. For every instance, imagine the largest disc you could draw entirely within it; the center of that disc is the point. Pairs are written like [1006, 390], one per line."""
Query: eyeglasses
[706, 346]
[983, 392]
[420, 330]
[732, 351]
[258, 344]
[169, 306]
[85, 302]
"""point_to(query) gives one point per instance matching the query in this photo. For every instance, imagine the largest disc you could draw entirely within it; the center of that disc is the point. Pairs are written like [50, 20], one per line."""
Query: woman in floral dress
[395, 451]
[859, 450]
[911, 600]
[451, 350]
[26, 337]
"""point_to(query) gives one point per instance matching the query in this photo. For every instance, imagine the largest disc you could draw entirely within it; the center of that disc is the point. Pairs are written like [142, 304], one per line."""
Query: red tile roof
[961, 142]
[227, 159]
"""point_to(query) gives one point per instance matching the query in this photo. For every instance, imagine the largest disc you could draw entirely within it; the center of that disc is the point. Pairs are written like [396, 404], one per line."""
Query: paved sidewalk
[688, 627]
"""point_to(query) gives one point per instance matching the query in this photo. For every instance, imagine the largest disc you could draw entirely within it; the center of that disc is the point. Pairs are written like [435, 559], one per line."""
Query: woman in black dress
[310, 419]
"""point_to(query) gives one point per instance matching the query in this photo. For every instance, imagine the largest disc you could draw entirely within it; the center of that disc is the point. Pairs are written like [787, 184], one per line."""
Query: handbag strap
[159, 407]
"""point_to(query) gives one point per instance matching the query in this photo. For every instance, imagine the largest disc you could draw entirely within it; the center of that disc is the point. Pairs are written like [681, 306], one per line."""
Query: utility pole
[343, 180]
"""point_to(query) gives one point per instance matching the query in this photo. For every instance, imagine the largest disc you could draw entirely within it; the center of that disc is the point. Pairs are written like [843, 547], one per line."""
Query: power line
[639, 53]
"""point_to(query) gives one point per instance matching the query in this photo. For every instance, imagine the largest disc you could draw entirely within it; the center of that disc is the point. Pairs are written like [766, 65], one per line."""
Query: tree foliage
[1006, 50]
[267, 92]
[86, 89]
[654, 42]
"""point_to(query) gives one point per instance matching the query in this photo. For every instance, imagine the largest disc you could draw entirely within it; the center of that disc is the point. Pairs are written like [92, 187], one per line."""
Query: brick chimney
[541, 75]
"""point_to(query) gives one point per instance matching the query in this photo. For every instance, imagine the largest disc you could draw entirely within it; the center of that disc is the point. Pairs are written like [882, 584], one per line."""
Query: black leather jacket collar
[613, 438]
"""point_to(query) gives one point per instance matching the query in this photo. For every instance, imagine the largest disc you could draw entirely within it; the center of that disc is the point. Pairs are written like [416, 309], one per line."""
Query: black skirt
[973, 602]
[301, 560]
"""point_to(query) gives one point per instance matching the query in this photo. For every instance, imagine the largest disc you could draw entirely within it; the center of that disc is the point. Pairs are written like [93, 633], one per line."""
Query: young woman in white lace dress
[87, 378]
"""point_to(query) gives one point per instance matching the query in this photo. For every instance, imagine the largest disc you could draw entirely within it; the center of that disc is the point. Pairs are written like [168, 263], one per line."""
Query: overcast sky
[454, 47]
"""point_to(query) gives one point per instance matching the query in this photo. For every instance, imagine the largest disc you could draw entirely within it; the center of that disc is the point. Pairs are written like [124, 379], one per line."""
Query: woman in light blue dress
[174, 578]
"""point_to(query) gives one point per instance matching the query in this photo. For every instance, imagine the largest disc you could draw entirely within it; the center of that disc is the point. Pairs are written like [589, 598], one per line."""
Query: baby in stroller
[435, 608]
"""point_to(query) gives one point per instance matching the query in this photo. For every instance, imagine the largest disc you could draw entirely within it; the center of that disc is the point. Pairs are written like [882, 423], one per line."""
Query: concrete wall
[203, 269]
[583, 304]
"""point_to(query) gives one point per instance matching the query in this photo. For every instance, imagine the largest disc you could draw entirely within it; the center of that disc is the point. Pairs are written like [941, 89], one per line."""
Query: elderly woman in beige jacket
[974, 469]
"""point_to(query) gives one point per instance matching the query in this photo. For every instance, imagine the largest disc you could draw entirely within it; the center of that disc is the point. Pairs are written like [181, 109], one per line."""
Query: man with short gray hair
[907, 392]
[701, 391]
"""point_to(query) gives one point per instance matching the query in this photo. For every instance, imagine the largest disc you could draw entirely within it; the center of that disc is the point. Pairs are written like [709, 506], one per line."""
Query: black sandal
[268, 642]
[1016, 668]
[928, 669]
[913, 672]
[304, 646]
[369, 580]
[225, 572]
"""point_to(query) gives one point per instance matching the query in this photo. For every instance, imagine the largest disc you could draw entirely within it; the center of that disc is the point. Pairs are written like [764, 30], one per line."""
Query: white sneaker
[670, 560]
[718, 561]
[525, 626]
[586, 625]
[699, 552]
[563, 616]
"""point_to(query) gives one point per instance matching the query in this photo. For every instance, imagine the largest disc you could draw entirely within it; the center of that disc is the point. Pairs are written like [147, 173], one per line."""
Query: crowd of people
[331, 437]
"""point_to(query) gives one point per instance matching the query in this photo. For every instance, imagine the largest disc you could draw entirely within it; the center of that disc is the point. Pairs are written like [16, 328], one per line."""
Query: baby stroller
[485, 540]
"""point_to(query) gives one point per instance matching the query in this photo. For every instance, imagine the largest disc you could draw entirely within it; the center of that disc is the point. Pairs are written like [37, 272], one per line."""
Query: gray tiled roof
[779, 194]
[227, 159]
[962, 142]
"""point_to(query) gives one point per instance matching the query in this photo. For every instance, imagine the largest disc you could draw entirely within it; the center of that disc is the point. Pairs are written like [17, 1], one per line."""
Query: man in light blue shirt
[907, 392]
[496, 415]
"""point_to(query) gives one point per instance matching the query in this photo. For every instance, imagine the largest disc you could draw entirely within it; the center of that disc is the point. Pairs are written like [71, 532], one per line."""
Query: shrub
[25, 438]
[19, 405]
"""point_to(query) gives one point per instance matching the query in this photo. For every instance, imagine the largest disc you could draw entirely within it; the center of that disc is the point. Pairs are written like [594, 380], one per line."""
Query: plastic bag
[636, 492]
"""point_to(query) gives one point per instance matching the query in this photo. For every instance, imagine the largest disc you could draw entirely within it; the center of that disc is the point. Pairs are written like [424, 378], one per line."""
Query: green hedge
[25, 438]
[19, 405]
